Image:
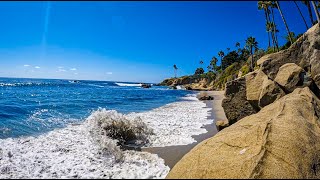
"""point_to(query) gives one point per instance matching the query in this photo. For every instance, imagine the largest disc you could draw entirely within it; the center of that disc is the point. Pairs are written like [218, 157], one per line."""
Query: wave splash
[105, 124]
[81, 151]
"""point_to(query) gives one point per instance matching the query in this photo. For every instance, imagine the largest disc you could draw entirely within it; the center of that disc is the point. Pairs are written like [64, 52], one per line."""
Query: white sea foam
[80, 151]
[73, 152]
[126, 84]
[176, 123]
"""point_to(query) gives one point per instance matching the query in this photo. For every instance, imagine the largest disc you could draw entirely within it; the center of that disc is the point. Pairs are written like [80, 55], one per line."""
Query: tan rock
[254, 82]
[240, 74]
[235, 105]
[221, 124]
[281, 141]
[270, 92]
[289, 76]
[305, 52]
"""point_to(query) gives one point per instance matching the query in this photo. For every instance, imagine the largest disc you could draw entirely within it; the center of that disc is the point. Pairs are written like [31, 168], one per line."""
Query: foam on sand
[176, 123]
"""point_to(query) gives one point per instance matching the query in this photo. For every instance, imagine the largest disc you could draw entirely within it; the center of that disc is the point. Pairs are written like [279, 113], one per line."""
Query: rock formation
[280, 141]
[274, 121]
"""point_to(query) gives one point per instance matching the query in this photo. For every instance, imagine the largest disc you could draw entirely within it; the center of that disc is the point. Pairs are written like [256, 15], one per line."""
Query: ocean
[48, 127]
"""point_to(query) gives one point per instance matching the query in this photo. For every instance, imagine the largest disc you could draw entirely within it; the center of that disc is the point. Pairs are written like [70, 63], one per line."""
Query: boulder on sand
[221, 124]
[235, 104]
[204, 98]
[280, 141]
[254, 82]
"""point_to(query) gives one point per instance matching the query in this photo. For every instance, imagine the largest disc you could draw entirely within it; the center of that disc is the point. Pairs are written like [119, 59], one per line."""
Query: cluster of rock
[205, 98]
[273, 121]
[146, 85]
[188, 82]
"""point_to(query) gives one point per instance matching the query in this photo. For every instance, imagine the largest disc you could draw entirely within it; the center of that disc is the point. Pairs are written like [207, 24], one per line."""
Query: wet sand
[172, 154]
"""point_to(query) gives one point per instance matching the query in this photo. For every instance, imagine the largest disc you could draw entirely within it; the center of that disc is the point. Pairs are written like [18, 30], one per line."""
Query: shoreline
[172, 154]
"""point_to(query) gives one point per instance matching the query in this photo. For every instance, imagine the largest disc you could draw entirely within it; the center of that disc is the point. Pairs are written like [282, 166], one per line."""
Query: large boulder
[305, 52]
[280, 141]
[270, 92]
[290, 76]
[235, 105]
[254, 82]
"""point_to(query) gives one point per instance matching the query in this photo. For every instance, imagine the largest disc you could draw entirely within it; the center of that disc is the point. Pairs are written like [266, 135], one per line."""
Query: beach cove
[75, 149]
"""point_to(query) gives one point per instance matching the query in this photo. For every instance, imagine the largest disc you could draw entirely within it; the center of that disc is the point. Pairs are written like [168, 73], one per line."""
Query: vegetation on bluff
[240, 60]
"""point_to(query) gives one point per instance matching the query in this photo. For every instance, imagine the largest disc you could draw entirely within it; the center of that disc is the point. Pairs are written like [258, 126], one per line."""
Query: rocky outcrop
[270, 92]
[236, 105]
[189, 82]
[280, 141]
[290, 76]
[221, 124]
[146, 85]
[205, 98]
[254, 82]
[305, 52]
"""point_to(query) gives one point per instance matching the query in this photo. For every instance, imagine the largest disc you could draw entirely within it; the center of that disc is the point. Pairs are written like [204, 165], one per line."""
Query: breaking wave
[127, 84]
[94, 148]
[80, 151]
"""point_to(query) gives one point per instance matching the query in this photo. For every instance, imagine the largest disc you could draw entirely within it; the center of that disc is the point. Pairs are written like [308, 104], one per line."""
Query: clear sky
[127, 41]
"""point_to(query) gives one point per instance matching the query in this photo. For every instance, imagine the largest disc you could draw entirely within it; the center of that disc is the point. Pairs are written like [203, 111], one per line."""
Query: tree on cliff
[230, 58]
[199, 71]
[221, 54]
[251, 44]
[274, 31]
[201, 63]
[304, 20]
[175, 70]
[264, 5]
[316, 11]
[307, 3]
[213, 64]
[283, 19]
[238, 46]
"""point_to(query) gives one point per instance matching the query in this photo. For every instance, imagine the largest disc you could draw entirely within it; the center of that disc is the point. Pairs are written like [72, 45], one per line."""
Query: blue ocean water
[35, 106]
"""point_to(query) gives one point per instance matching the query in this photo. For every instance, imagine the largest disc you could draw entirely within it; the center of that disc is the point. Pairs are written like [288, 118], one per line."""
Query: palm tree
[201, 62]
[284, 20]
[263, 5]
[272, 6]
[290, 35]
[213, 63]
[316, 11]
[272, 28]
[301, 14]
[251, 44]
[237, 44]
[221, 54]
[307, 3]
[269, 27]
[175, 70]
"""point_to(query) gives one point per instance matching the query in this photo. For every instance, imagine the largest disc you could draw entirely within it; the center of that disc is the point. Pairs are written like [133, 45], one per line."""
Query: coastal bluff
[274, 121]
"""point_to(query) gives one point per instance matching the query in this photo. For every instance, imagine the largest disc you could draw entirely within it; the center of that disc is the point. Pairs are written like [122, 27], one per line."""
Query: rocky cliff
[274, 118]
[210, 80]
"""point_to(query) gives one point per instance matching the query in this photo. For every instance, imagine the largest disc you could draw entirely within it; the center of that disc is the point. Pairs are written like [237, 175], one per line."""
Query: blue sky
[127, 41]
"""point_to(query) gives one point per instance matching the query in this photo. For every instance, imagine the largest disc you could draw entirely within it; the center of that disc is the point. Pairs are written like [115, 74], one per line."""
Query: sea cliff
[273, 117]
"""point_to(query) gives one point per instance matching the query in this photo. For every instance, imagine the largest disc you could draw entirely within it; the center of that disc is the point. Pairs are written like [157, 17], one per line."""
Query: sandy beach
[172, 154]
